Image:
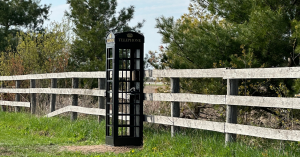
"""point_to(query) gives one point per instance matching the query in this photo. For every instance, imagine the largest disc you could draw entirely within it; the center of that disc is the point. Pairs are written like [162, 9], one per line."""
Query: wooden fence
[231, 100]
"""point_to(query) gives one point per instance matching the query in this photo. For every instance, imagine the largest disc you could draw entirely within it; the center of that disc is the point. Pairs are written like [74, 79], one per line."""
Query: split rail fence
[231, 100]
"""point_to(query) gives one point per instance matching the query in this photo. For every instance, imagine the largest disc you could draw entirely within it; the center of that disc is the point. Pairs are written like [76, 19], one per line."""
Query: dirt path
[99, 149]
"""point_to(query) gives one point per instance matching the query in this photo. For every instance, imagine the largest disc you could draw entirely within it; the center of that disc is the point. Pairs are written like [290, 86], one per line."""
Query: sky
[144, 9]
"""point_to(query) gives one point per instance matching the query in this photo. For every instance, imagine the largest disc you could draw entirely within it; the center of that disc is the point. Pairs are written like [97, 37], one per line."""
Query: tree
[45, 52]
[268, 27]
[18, 14]
[238, 34]
[196, 41]
[93, 19]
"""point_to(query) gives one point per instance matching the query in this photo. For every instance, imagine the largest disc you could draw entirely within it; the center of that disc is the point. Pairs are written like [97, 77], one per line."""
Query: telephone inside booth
[124, 88]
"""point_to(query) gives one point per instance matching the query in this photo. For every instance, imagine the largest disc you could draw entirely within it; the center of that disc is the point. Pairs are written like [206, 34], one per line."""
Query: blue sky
[144, 9]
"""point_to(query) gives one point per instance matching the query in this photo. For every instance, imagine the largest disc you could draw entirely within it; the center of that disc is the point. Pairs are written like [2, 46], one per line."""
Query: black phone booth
[124, 88]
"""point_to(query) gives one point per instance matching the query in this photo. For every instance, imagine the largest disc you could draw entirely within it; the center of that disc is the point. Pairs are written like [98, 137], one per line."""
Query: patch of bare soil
[4, 152]
[99, 149]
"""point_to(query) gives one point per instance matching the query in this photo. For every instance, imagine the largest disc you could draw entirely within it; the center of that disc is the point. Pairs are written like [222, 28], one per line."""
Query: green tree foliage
[93, 19]
[195, 41]
[38, 52]
[17, 14]
[268, 27]
[237, 34]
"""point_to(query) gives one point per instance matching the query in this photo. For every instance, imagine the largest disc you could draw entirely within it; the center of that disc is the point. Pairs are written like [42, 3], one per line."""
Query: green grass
[24, 135]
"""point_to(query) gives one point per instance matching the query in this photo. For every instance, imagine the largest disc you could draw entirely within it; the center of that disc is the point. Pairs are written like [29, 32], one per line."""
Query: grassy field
[24, 135]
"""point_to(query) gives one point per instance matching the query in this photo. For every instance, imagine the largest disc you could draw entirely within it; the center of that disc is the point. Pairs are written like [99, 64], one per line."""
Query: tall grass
[22, 134]
[25, 129]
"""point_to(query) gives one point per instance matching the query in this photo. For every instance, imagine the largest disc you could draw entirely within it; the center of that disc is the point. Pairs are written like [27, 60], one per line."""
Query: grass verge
[22, 134]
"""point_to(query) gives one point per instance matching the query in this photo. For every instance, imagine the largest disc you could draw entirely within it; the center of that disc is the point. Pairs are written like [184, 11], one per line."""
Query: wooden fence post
[32, 97]
[75, 82]
[101, 99]
[3, 108]
[231, 111]
[17, 97]
[53, 96]
[175, 108]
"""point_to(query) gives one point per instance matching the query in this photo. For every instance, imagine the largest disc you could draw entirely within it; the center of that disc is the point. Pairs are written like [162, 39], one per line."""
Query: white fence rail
[65, 91]
[15, 103]
[251, 73]
[279, 134]
[224, 127]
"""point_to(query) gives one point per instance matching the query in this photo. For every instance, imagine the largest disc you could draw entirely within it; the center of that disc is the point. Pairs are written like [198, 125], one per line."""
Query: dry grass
[155, 107]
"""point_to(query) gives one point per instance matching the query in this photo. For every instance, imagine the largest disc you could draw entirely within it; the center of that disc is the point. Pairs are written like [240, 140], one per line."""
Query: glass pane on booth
[121, 131]
[135, 75]
[110, 121]
[137, 132]
[121, 53]
[127, 64]
[137, 109]
[137, 86]
[109, 87]
[109, 98]
[136, 120]
[137, 53]
[124, 64]
[109, 53]
[110, 64]
[122, 108]
[109, 75]
[124, 53]
[137, 64]
[109, 131]
[128, 51]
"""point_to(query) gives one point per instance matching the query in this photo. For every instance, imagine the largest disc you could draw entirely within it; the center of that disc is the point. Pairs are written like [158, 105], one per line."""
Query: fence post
[231, 111]
[53, 96]
[175, 108]
[3, 108]
[17, 97]
[74, 98]
[32, 97]
[101, 99]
